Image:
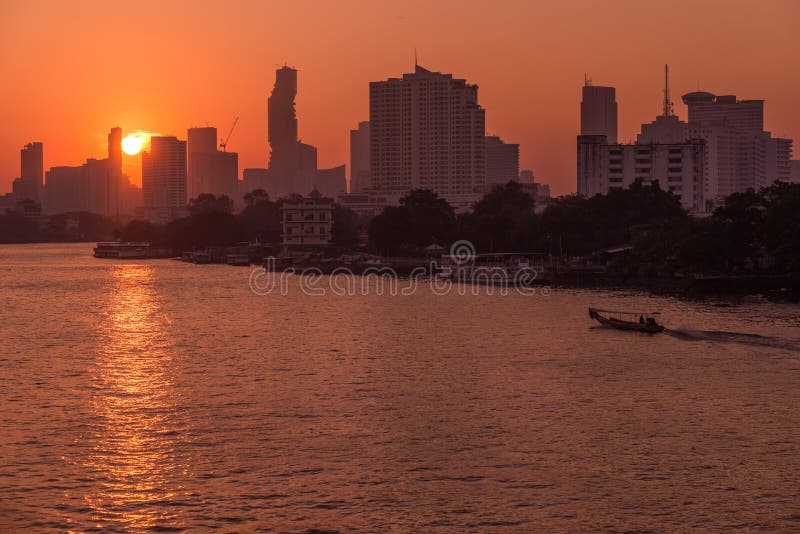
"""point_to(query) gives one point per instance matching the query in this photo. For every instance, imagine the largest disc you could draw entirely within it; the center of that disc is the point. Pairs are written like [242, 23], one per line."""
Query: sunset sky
[71, 70]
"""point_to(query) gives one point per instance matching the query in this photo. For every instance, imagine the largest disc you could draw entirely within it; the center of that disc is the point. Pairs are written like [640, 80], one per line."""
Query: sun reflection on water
[136, 419]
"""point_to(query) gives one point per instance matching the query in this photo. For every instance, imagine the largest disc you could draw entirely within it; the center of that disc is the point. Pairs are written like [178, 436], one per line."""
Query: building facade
[164, 179]
[599, 111]
[502, 161]
[427, 132]
[31, 178]
[678, 168]
[359, 158]
[740, 154]
[307, 222]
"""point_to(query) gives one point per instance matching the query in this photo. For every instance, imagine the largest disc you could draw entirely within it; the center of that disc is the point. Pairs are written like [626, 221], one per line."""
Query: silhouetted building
[331, 182]
[292, 163]
[306, 222]
[721, 150]
[98, 186]
[209, 170]
[253, 179]
[740, 154]
[502, 161]
[599, 112]
[67, 190]
[284, 160]
[359, 158]
[711, 110]
[427, 132]
[164, 179]
[678, 167]
[526, 176]
[30, 182]
[215, 173]
[794, 172]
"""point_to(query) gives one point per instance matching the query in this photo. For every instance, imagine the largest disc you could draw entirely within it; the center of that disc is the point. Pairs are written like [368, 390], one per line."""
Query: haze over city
[165, 67]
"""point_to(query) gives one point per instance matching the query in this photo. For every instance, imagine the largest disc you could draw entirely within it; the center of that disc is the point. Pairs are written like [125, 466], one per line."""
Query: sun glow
[133, 143]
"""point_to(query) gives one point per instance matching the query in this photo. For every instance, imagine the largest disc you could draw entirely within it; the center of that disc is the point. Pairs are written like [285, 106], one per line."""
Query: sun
[132, 144]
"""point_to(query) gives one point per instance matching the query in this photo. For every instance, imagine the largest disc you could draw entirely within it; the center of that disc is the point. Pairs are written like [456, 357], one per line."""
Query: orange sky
[72, 70]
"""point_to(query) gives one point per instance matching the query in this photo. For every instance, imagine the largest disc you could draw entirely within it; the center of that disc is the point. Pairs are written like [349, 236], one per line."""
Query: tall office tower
[209, 170]
[30, 181]
[66, 190]
[164, 179]
[115, 151]
[116, 180]
[359, 158]
[284, 160]
[502, 161]
[427, 132]
[199, 141]
[599, 112]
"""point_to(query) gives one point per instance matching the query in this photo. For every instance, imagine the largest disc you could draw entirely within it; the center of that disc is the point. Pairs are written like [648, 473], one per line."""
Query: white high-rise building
[740, 154]
[427, 132]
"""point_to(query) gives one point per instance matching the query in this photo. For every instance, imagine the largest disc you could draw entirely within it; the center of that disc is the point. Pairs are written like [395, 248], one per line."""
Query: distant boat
[129, 251]
[627, 320]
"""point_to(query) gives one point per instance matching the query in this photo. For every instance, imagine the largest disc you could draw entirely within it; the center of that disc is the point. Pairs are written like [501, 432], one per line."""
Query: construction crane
[224, 144]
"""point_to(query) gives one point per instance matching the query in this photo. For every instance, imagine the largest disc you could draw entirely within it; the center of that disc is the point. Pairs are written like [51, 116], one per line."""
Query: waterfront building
[427, 132]
[306, 222]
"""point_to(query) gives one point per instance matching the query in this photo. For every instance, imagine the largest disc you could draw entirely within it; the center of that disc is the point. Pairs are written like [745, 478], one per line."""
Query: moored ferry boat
[129, 251]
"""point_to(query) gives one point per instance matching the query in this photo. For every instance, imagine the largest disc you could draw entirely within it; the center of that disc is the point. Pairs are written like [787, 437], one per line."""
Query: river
[159, 395]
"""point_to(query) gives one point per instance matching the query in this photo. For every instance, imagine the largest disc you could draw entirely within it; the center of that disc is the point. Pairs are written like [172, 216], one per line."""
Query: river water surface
[159, 395]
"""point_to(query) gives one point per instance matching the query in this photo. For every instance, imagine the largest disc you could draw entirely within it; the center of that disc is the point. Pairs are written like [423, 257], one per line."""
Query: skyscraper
[427, 132]
[29, 184]
[284, 160]
[599, 112]
[359, 158]
[292, 163]
[209, 170]
[115, 178]
[502, 161]
[199, 141]
[164, 179]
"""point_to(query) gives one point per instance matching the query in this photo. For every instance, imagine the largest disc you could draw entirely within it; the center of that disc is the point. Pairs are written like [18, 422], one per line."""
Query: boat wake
[722, 336]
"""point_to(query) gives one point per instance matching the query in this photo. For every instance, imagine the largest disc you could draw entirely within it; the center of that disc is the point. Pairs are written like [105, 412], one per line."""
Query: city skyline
[531, 97]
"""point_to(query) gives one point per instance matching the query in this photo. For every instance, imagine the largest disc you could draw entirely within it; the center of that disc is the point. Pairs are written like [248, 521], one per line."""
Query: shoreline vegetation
[636, 238]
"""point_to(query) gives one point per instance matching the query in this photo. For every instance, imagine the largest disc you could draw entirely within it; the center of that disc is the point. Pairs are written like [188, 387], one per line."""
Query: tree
[421, 219]
[346, 227]
[502, 221]
[207, 203]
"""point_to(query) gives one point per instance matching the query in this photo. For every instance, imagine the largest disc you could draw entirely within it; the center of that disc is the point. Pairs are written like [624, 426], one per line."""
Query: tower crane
[224, 144]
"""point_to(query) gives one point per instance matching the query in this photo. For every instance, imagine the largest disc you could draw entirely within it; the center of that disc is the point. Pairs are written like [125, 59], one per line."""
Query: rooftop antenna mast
[416, 63]
[667, 101]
